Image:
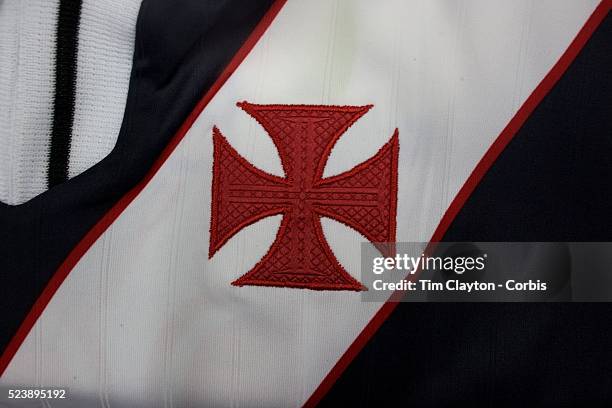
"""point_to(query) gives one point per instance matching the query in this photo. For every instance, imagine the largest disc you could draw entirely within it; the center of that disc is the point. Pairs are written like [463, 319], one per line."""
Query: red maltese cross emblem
[363, 198]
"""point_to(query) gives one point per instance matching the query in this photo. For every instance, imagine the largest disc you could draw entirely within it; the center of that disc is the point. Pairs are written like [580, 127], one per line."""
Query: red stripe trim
[473, 180]
[101, 226]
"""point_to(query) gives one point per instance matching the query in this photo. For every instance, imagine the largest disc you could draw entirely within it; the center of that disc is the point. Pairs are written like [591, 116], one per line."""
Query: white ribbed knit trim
[106, 46]
[27, 72]
[27, 62]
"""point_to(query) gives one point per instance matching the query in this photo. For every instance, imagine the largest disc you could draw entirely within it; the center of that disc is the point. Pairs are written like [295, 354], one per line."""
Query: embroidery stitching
[363, 198]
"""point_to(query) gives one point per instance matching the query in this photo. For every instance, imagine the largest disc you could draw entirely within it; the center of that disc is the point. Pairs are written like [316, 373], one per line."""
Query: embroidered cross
[363, 198]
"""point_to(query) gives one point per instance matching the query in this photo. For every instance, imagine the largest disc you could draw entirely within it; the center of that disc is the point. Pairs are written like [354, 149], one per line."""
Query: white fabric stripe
[106, 46]
[462, 69]
[27, 72]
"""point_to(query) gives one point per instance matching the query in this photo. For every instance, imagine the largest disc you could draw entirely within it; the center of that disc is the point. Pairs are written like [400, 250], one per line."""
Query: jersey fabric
[185, 187]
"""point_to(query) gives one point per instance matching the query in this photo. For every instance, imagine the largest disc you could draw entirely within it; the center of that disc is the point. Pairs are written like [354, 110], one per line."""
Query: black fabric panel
[65, 89]
[552, 183]
[181, 48]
